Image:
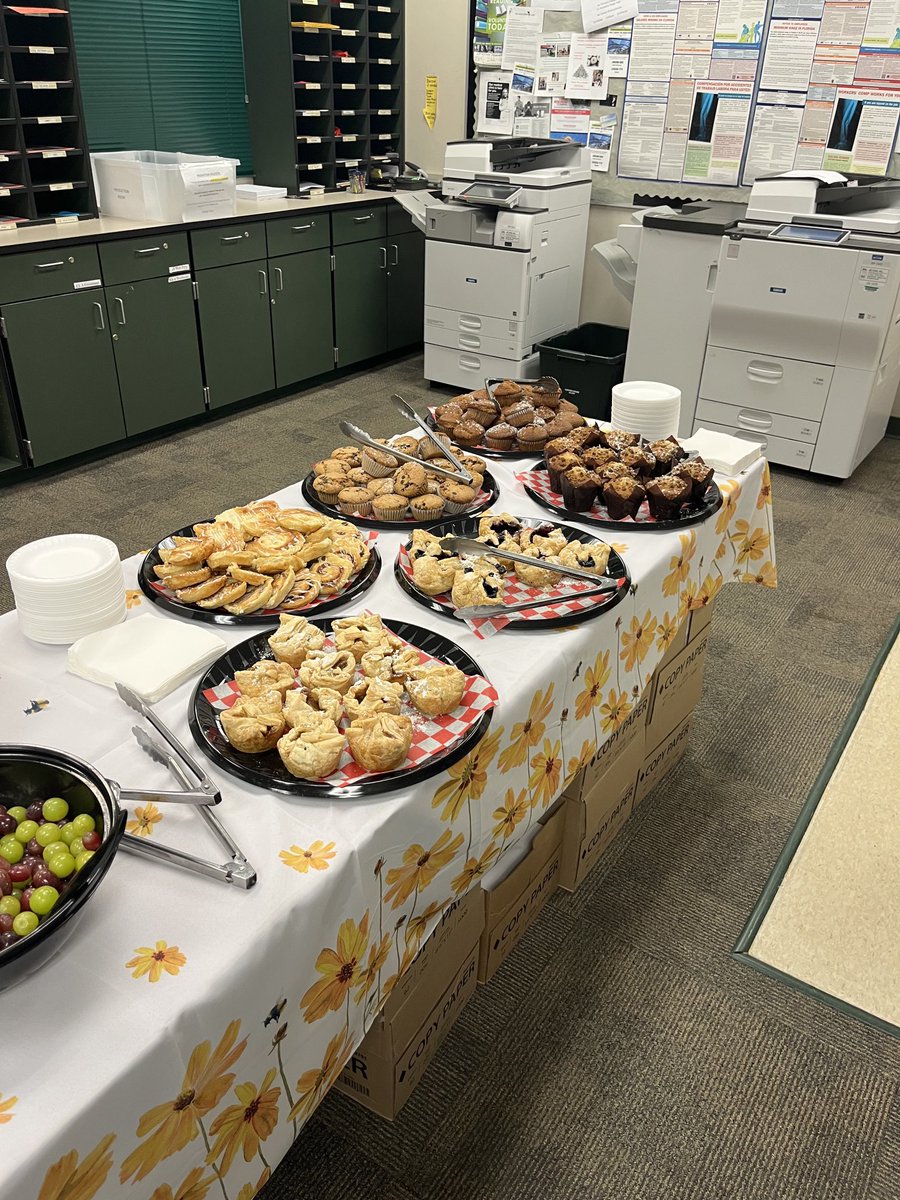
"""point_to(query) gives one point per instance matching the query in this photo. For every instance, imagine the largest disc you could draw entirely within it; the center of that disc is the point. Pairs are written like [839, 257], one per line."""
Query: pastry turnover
[434, 576]
[294, 639]
[363, 633]
[380, 742]
[264, 676]
[328, 669]
[538, 575]
[371, 696]
[436, 689]
[312, 753]
[254, 724]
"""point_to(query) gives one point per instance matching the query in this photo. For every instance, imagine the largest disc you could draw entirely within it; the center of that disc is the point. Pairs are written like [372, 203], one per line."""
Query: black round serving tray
[309, 495]
[691, 514]
[468, 527]
[359, 583]
[267, 771]
[481, 451]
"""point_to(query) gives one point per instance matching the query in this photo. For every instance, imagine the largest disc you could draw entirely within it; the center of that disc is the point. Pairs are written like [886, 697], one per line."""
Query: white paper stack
[150, 655]
[722, 452]
[67, 586]
[259, 193]
[645, 407]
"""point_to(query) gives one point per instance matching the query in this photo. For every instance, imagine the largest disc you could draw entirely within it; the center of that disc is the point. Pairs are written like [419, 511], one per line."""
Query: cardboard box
[676, 688]
[511, 906]
[382, 1074]
[660, 761]
[616, 745]
[595, 816]
[700, 619]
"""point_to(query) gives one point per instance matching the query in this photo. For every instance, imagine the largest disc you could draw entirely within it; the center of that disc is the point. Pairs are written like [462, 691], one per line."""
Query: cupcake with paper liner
[406, 445]
[329, 487]
[390, 507]
[457, 497]
[378, 463]
[501, 436]
[665, 496]
[623, 496]
[355, 500]
[533, 438]
[468, 432]
[428, 450]
[429, 507]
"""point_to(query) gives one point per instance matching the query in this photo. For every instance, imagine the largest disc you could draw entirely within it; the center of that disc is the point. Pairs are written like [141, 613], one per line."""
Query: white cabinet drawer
[756, 423]
[467, 369]
[776, 449]
[508, 347]
[788, 386]
[449, 320]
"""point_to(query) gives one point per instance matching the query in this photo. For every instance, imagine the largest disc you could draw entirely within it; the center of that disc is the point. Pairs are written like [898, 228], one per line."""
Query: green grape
[47, 833]
[10, 905]
[62, 865]
[53, 849]
[76, 847]
[25, 831]
[18, 813]
[12, 850]
[25, 923]
[83, 859]
[55, 809]
[43, 899]
[68, 833]
[84, 823]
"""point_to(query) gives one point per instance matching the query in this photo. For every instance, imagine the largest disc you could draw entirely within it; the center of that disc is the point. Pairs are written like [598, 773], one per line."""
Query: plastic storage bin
[154, 185]
[588, 362]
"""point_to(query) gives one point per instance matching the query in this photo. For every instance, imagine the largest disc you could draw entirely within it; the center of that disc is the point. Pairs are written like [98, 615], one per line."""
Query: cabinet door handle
[54, 266]
[149, 250]
[300, 228]
[279, 279]
[367, 217]
[263, 283]
[770, 372]
[396, 256]
[383, 250]
[121, 306]
[99, 323]
[238, 237]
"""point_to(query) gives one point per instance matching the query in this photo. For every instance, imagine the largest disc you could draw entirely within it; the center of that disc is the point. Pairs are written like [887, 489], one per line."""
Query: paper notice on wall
[495, 110]
[882, 31]
[429, 112]
[523, 29]
[570, 121]
[717, 133]
[652, 46]
[600, 140]
[862, 131]
[618, 46]
[740, 22]
[490, 26]
[531, 117]
[773, 134]
[557, 5]
[552, 64]
[523, 75]
[600, 14]
[788, 58]
[643, 127]
[586, 79]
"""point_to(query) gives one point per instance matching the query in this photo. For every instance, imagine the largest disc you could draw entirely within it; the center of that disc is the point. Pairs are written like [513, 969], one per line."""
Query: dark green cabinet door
[157, 352]
[236, 331]
[302, 326]
[65, 373]
[406, 289]
[360, 295]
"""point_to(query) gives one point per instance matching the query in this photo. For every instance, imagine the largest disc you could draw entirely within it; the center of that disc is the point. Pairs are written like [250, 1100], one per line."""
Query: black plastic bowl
[30, 773]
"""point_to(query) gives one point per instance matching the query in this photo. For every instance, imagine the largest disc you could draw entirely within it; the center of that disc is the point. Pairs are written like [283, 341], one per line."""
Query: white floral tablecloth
[178, 1042]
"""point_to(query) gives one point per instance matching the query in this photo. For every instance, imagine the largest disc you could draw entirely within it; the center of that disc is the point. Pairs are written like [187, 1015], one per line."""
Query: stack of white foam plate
[650, 409]
[67, 586]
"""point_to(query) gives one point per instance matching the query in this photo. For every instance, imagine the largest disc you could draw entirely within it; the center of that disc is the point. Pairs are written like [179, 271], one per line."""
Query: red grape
[8, 824]
[19, 873]
[8, 939]
[35, 849]
[44, 877]
[35, 811]
[5, 883]
[25, 899]
[5, 922]
[91, 841]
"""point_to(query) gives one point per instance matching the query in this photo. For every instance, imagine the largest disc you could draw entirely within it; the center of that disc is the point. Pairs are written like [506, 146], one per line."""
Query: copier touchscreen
[810, 233]
[491, 193]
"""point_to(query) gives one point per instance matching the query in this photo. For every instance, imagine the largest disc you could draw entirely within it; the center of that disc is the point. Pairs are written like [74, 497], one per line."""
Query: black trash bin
[588, 362]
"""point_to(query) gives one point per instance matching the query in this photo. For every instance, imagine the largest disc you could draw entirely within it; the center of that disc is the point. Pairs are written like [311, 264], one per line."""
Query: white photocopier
[780, 322]
[504, 255]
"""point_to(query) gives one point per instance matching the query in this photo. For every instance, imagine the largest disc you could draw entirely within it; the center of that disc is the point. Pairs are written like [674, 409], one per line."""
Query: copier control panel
[514, 230]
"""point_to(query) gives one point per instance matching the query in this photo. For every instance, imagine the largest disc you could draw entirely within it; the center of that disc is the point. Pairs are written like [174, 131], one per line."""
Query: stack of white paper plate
[67, 586]
[650, 409]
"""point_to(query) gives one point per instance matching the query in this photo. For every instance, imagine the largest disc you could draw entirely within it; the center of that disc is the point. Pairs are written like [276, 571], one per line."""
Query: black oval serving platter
[468, 527]
[489, 488]
[691, 514]
[481, 450]
[267, 770]
[358, 583]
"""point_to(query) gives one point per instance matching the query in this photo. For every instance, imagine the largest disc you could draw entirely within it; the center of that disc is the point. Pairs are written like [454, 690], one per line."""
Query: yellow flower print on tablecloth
[467, 779]
[416, 925]
[680, 564]
[765, 574]
[665, 632]
[731, 493]
[765, 489]
[637, 640]
[249, 1190]
[246, 1125]
[409, 955]
[614, 710]
[133, 597]
[588, 750]
[313, 1084]
[595, 678]
[316, 858]
[510, 813]
[340, 970]
[420, 866]
[723, 548]
[6, 1107]
[474, 869]
[378, 956]
[709, 589]
[529, 732]
[546, 772]
[144, 819]
[687, 601]
[68, 1179]
[194, 1186]
[750, 545]
[152, 961]
[175, 1124]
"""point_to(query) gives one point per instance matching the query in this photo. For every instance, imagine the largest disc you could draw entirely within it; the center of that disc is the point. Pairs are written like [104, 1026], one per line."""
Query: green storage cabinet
[302, 325]
[236, 331]
[59, 269]
[157, 351]
[228, 244]
[65, 372]
[358, 224]
[129, 259]
[360, 311]
[405, 289]
[290, 235]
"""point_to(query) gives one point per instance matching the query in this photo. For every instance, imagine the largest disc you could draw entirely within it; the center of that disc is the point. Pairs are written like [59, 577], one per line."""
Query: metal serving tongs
[196, 788]
[406, 410]
[459, 475]
[464, 545]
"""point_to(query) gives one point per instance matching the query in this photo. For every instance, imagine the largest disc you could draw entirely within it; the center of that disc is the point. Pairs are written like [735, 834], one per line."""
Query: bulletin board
[713, 93]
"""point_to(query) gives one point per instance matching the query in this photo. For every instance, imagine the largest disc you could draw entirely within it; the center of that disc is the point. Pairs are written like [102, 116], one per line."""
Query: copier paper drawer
[787, 386]
[476, 279]
[776, 449]
[508, 347]
[755, 421]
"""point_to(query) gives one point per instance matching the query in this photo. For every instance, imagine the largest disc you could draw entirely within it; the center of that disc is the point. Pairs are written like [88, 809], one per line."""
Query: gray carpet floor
[620, 1053]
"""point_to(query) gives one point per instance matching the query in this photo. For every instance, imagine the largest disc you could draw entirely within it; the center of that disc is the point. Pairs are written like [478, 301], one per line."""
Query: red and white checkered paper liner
[515, 592]
[431, 735]
[368, 535]
[539, 481]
